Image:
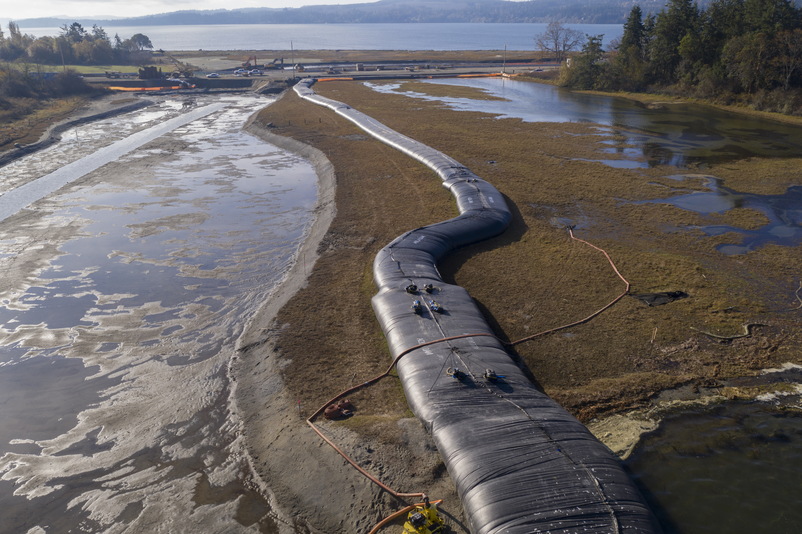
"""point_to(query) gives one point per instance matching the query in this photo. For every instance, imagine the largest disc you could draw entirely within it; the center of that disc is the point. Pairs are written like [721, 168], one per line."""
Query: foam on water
[117, 333]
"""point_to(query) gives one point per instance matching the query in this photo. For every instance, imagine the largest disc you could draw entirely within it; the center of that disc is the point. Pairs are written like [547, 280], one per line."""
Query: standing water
[734, 469]
[124, 294]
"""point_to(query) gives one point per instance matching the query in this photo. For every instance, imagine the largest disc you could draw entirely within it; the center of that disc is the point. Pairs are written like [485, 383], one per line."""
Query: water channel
[127, 284]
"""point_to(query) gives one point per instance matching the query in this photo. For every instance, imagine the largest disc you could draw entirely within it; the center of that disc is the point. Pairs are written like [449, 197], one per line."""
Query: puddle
[125, 292]
[784, 214]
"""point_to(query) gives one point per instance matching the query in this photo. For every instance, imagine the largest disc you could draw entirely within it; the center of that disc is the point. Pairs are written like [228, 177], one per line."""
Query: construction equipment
[181, 69]
[424, 519]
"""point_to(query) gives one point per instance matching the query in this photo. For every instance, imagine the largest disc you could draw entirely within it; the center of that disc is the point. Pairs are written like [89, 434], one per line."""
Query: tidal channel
[126, 286]
[683, 135]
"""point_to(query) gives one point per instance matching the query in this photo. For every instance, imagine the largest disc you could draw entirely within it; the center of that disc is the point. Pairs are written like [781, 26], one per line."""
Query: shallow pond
[126, 289]
[667, 134]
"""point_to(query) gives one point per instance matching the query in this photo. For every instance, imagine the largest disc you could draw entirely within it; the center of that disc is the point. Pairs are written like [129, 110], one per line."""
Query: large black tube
[520, 462]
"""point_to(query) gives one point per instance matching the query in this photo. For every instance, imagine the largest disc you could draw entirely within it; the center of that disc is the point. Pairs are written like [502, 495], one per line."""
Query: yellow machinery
[424, 519]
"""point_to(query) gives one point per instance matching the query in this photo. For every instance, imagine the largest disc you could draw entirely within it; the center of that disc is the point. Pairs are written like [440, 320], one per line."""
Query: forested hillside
[734, 50]
[385, 11]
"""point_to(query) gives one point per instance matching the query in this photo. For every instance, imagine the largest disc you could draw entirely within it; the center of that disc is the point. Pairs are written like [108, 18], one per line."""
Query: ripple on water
[116, 335]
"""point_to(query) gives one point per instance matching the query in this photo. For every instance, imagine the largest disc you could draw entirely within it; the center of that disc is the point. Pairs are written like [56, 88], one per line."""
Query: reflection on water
[123, 298]
[784, 214]
[670, 134]
[734, 469]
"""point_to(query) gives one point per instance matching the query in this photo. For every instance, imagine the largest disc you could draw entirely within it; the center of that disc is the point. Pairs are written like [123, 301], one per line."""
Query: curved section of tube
[521, 463]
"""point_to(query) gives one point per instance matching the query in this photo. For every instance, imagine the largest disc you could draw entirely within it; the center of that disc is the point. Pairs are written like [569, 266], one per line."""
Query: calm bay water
[432, 36]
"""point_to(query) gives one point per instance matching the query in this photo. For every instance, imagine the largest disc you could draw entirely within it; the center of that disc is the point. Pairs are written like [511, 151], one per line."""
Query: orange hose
[592, 315]
[310, 420]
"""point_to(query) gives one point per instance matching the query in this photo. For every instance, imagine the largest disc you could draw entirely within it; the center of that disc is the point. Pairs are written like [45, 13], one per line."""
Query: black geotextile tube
[520, 462]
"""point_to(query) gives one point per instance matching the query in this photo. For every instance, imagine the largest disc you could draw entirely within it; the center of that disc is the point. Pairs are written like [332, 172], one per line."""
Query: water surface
[388, 36]
[735, 469]
[783, 214]
[669, 134]
[124, 294]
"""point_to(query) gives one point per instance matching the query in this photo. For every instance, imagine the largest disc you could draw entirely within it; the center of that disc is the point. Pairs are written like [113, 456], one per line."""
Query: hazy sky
[26, 9]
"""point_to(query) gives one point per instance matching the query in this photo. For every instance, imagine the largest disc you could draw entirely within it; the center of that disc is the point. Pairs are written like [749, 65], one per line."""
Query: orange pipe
[116, 88]
[592, 315]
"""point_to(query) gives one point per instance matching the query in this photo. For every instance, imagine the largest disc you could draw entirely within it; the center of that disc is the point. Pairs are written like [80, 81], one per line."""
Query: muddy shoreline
[97, 109]
[302, 475]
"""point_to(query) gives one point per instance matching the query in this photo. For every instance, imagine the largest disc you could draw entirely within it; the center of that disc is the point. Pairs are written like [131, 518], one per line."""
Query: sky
[107, 9]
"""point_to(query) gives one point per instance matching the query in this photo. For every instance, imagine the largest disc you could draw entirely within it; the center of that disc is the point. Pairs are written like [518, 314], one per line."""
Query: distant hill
[394, 11]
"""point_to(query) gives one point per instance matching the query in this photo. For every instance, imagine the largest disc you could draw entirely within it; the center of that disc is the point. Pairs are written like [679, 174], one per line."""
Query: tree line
[74, 45]
[22, 57]
[733, 50]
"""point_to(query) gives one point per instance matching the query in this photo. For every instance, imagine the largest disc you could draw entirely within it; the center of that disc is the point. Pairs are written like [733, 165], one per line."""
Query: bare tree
[559, 40]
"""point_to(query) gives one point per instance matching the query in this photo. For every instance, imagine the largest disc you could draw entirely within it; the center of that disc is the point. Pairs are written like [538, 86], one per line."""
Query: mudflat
[616, 372]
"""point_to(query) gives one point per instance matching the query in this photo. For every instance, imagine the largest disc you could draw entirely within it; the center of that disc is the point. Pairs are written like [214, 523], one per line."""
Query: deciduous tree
[559, 40]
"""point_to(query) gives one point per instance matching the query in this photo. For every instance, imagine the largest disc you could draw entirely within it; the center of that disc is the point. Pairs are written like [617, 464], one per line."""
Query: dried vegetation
[534, 277]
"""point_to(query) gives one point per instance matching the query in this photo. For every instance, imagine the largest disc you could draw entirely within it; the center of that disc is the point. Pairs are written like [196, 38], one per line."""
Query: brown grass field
[24, 120]
[534, 277]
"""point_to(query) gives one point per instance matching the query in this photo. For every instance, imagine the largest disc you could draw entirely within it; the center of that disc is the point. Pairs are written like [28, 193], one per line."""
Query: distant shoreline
[433, 36]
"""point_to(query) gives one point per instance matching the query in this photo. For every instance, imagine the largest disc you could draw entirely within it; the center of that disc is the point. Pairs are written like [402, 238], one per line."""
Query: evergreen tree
[628, 69]
[671, 26]
[634, 37]
[770, 15]
[585, 71]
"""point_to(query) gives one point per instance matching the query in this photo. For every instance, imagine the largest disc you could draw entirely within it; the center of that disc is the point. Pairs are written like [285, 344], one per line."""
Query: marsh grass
[24, 120]
[534, 277]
